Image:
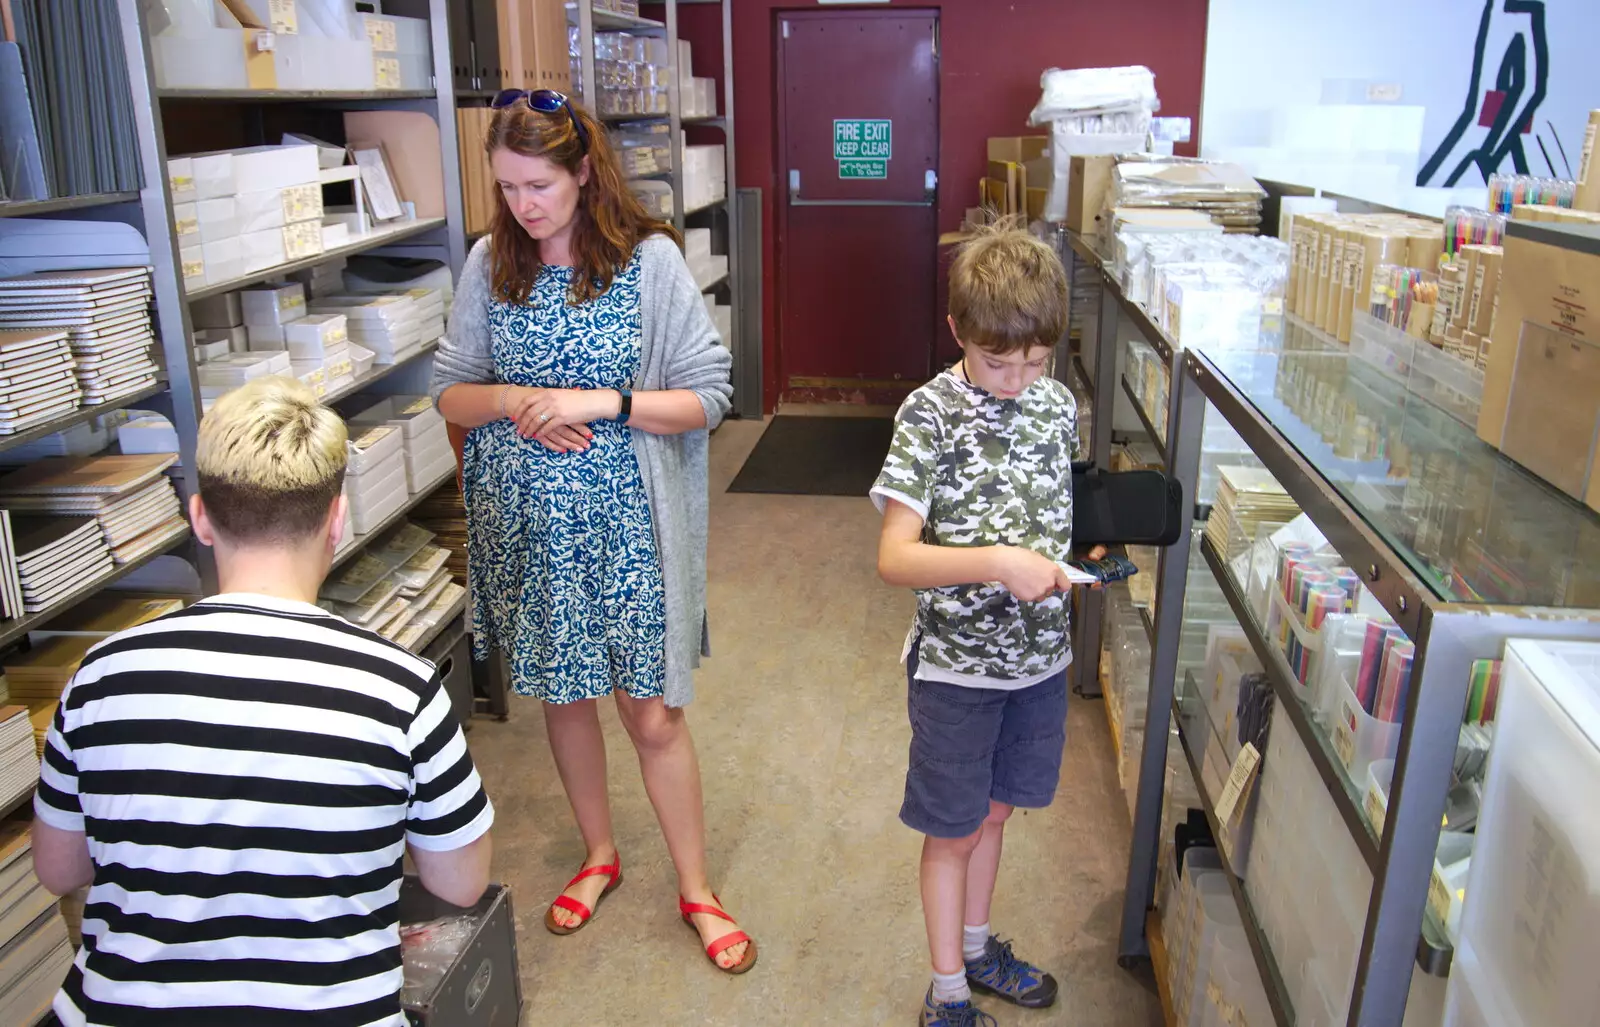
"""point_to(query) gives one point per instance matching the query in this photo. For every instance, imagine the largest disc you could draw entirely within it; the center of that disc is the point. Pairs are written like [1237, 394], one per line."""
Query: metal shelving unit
[61, 204]
[721, 216]
[79, 416]
[385, 235]
[1252, 392]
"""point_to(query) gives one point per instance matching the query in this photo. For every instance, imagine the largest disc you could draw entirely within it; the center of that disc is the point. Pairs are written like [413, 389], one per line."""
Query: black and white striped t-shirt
[249, 772]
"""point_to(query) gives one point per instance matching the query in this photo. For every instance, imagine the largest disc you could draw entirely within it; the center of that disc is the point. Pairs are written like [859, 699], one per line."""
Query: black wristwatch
[627, 406]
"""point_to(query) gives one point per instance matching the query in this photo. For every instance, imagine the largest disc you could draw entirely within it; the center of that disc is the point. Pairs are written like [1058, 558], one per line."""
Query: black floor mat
[817, 456]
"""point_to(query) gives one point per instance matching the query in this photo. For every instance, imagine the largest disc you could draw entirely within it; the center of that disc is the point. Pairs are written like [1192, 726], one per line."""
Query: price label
[194, 269]
[1244, 766]
[285, 17]
[382, 35]
[188, 226]
[1439, 896]
[302, 203]
[421, 406]
[1376, 811]
[1344, 736]
[181, 183]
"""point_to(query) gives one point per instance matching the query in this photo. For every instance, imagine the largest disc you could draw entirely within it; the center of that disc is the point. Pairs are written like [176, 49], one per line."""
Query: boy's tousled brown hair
[611, 222]
[1008, 290]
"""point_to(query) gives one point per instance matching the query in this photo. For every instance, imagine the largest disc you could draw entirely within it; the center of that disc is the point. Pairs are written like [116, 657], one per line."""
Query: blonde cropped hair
[1008, 290]
[271, 459]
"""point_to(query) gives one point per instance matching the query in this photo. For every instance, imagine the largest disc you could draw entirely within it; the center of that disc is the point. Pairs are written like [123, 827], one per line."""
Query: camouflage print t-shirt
[985, 471]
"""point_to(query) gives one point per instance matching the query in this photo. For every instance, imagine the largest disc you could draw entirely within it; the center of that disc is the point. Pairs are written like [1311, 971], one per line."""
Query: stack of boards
[19, 760]
[1247, 499]
[69, 520]
[103, 318]
[35, 951]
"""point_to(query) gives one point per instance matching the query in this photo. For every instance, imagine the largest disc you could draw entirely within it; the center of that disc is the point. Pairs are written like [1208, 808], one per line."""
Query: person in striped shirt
[238, 782]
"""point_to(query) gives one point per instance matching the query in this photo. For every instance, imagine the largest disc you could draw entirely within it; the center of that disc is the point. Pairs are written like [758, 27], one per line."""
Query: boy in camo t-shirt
[976, 495]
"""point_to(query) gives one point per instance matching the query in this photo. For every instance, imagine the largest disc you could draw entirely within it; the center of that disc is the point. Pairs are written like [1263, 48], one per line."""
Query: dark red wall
[992, 53]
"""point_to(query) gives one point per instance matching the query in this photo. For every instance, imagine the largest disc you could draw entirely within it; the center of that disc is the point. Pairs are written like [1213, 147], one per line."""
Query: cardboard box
[1588, 195]
[1485, 286]
[1018, 149]
[1089, 191]
[1541, 387]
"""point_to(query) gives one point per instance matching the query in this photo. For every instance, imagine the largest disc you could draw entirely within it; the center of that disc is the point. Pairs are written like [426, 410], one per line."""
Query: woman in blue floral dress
[582, 360]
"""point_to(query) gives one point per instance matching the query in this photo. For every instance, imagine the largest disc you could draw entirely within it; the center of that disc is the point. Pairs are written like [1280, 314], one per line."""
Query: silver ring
[543, 418]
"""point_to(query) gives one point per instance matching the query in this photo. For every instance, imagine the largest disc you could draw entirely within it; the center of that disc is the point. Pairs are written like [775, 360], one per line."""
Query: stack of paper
[39, 675]
[106, 313]
[392, 325]
[35, 952]
[37, 382]
[444, 514]
[1247, 498]
[392, 586]
[55, 556]
[19, 764]
[107, 613]
[375, 479]
[41, 713]
[428, 453]
[137, 507]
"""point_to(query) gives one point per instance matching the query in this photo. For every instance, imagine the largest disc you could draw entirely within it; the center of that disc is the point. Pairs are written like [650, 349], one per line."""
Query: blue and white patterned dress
[566, 579]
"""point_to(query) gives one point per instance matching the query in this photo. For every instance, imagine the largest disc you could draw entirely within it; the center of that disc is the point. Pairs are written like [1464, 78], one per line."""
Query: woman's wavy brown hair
[611, 222]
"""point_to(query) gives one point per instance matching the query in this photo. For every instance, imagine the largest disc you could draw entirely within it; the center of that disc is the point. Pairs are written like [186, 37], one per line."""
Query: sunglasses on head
[545, 101]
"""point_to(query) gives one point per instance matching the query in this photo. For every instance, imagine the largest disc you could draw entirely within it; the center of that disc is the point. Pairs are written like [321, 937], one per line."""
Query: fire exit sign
[863, 146]
[863, 138]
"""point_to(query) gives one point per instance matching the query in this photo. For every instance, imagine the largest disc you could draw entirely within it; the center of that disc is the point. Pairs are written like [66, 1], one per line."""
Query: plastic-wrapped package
[428, 949]
[1079, 91]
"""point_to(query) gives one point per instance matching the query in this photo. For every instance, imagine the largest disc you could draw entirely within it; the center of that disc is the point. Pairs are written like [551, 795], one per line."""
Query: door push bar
[930, 186]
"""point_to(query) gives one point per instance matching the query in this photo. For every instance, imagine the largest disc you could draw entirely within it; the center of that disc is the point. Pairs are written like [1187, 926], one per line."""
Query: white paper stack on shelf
[255, 208]
[317, 344]
[377, 590]
[219, 327]
[1225, 193]
[326, 279]
[375, 481]
[429, 456]
[106, 314]
[1247, 498]
[53, 557]
[1092, 112]
[392, 325]
[37, 379]
[35, 952]
[136, 504]
[217, 377]
[708, 268]
[372, 274]
[705, 176]
[19, 765]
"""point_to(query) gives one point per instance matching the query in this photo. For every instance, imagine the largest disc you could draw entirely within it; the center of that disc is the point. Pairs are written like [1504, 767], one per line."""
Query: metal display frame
[722, 216]
[1448, 637]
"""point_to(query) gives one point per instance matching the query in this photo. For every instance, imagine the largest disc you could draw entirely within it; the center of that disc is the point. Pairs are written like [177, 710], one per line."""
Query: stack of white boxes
[698, 96]
[228, 373]
[708, 268]
[721, 317]
[392, 325]
[375, 481]
[705, 176]
[238, 212]
[219, 327]
[318, 345]
[429, 456]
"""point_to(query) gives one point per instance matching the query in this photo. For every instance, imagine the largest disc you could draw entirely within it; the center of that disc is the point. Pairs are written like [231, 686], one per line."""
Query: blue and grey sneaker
[952, 1014]
[1001, 973]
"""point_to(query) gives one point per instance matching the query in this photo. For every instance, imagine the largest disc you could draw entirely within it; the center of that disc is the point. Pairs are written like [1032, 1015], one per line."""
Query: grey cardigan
[680, 351]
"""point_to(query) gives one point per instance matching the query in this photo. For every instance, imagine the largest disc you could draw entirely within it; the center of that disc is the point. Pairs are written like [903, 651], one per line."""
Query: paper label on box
[302, 203]
[187, 226]
[386, 72]
[302, 240]
[382, 35]
[1376, 811]
[285, 17]
[1344, 735]
[194, 269]
[1244, 765]
[339, 368]
[420, 406]
[372, 436]
[181, 183]
[1439, 896]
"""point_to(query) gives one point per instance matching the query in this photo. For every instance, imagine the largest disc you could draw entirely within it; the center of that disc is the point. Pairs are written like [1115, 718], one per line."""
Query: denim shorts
[970, 745]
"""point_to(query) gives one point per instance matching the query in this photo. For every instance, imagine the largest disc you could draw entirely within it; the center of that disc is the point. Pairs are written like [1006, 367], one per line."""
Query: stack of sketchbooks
[39, 675]
[401, 587]
[444, 514]
[35, 952]
[19, 763]
[135, 504]
[106, 315]
[37, 379]
[1248, 498]
[51, 557]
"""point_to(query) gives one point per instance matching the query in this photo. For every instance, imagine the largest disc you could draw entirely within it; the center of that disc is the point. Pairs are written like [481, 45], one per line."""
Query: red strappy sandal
[723, 943]
[572, 905]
